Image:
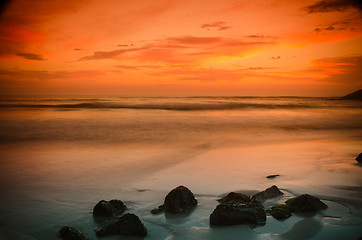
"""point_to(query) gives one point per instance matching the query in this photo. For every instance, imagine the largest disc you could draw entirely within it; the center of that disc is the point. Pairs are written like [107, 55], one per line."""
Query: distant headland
[357, 95]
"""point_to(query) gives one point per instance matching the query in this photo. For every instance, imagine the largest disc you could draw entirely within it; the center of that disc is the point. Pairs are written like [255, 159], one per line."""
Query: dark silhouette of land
[357, 95]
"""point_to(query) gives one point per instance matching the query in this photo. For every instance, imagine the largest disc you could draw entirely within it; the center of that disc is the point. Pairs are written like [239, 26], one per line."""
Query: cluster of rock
[128, 224]
[234, 208]
[238, 208]
[301, 203]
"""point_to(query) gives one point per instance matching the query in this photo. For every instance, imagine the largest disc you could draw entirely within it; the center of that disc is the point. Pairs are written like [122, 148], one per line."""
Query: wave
[176, 107]
[178, 103]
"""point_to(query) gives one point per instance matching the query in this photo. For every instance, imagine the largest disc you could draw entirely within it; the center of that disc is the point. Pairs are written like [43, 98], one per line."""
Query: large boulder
[179, 200]
[305, 203]
[267, 194]
[109, 208]
[280, 212]
[235, 198]
[232, 214]
[359, 158]
[128, 224]
[71, 233]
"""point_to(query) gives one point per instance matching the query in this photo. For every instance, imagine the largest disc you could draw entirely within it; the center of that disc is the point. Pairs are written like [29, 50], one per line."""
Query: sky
[181, 48]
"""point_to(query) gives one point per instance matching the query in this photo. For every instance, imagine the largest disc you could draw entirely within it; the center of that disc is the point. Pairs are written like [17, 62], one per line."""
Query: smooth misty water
[60, 156]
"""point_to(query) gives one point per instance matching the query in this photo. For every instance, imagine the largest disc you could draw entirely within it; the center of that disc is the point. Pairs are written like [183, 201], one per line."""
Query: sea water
[59, 156]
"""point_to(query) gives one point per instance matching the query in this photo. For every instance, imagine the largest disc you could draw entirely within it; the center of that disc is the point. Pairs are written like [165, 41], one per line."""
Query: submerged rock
[71, 233]
[128, 224]
[179, 200]
[272, 176]
[109, 208]
[232, 214]
[158, 209]
[235, 198]
[359, 158]
[267, 194]
[305, 203]
[280, 212]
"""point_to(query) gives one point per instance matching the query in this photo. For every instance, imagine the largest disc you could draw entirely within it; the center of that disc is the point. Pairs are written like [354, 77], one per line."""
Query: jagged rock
[109, 208]
[179, 200]
[272, 176]
[71, 233]
[268, 193]
[232, 214]
[280, 212]
[128, 224]
[359, 158]
[234, 198]
[305, 203]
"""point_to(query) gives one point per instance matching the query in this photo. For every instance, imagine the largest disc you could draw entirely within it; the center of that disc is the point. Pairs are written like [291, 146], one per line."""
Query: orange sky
[189, 47]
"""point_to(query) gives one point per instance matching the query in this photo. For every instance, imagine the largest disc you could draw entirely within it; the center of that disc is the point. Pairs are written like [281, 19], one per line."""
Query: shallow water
[60, 156]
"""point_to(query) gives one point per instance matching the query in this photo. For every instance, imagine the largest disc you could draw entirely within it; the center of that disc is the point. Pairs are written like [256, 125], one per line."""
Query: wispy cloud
[136, 67]
[219, 26]
[111, 54]
[26, 75]
[195, 40]
[256, 68]
[333, 5]
[31, 56]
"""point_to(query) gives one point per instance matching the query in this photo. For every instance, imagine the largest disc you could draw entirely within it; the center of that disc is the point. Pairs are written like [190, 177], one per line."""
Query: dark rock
[232, 214]
[280, 212]
[234, 198]
[71, 233]
[357, 95]
[273, 176]
[128, 224]
[268, 193]
[109, 208]
[179, 200]
[305, 203]
[158, 209]
[359, 158]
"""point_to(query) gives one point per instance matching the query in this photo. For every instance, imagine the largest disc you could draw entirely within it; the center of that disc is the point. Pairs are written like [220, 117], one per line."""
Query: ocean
[59, 156]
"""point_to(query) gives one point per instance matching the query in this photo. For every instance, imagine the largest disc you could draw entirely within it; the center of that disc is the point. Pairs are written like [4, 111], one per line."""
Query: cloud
[111, 54]
[333, 5]
[260, 36]
[31, 56]
[238, 43]
[275, 58]
[21, 22]
[203, 74]
[26, 75]
[338, 26]
[203, 79]
[329, 28]
[195, 40]
[343, 70]
[138, 67]
[257, 68]
[219, 26]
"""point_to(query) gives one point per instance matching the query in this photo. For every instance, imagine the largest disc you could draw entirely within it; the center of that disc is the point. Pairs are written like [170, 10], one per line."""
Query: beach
[61, 155]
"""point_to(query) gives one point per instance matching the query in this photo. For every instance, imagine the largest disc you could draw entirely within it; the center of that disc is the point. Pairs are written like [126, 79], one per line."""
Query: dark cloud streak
[31, 56]
[111, 54]
[220, 26]
[333, 5]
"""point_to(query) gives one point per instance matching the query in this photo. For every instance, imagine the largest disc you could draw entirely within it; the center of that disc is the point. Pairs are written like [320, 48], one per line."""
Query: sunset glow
[181, 48]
